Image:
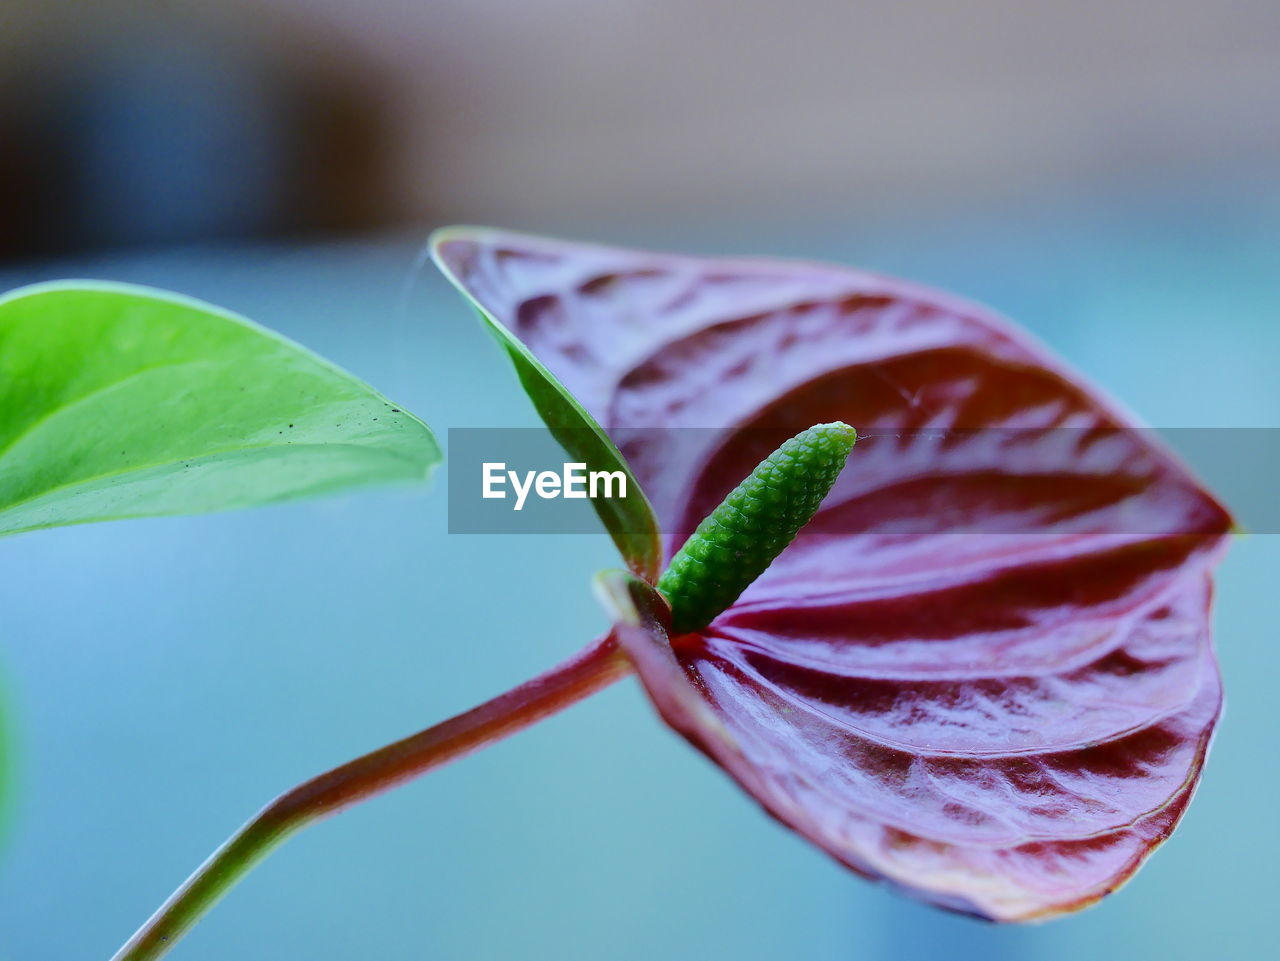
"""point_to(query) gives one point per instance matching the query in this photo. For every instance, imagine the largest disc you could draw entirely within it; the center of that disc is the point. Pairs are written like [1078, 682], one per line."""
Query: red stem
[591, 669]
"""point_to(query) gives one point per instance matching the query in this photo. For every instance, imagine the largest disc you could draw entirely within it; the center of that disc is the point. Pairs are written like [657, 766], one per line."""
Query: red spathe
[983, 672]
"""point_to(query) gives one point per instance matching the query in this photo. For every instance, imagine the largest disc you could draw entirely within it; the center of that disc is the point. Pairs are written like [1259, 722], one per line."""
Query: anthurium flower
[972, 662]
[983, 672]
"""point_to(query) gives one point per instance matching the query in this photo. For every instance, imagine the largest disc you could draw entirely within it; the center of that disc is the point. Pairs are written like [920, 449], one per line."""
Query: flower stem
[593, 668]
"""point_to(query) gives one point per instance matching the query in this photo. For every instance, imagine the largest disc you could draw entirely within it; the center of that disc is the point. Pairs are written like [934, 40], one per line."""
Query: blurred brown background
[145, 122]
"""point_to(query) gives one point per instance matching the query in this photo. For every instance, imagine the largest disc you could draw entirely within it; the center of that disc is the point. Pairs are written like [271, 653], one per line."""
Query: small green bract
[739, 539]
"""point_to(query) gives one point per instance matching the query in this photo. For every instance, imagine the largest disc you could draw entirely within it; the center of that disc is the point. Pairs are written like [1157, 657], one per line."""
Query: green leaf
[120, 401]
[630, 521]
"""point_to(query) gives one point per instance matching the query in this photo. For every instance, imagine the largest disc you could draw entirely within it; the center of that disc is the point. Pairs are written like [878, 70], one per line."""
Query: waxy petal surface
[983, 673]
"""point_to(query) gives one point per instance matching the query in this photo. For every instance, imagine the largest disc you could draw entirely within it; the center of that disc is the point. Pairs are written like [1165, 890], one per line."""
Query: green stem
[591, 669]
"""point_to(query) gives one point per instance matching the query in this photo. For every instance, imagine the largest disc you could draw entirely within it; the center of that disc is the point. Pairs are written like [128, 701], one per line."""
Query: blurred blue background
[1104, 176]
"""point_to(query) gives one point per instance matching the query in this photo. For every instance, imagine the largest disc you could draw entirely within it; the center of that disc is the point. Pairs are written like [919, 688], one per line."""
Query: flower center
[739, 539]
